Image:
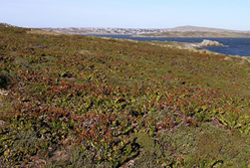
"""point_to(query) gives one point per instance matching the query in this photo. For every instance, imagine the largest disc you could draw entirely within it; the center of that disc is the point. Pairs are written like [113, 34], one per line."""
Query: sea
[232, 46]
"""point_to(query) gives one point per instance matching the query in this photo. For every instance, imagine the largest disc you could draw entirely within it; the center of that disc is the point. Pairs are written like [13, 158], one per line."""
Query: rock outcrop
[204, 43]
[209, 43]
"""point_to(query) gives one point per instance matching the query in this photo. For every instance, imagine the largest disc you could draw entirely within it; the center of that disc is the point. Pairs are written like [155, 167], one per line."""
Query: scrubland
[77, 101]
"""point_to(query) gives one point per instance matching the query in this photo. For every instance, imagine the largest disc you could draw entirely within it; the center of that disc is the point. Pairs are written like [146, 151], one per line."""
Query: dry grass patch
[36, 31]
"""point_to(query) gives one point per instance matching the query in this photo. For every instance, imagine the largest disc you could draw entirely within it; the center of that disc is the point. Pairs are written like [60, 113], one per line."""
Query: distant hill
[196, 28]
[193, 31]
[199, 34]
[181, 31]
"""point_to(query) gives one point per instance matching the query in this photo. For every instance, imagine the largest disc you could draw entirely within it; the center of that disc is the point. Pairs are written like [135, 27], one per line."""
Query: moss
[25, 141]
[223, 144]
[22, 63]
[5, 107]
[19, 147]
[72, 157]
[210, 143]
[152, 154]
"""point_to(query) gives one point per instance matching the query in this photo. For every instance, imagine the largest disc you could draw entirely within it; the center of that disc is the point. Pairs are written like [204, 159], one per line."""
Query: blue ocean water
[233, 46]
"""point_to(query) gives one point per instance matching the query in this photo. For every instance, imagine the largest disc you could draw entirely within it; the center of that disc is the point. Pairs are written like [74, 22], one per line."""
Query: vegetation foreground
[76, 101]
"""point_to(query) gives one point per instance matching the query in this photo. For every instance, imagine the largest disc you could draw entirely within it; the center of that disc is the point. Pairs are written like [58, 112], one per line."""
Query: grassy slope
[85, 101]
[199, 34]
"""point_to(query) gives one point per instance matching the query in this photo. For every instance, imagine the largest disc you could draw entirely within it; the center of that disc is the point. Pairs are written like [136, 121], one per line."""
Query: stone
[209, 43]
[204, 43]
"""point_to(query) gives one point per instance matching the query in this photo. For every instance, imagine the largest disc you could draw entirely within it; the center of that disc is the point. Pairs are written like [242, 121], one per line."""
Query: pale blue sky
[228, 14]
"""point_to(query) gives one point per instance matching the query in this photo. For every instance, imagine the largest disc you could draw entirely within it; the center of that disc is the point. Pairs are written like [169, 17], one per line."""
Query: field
[77, 101]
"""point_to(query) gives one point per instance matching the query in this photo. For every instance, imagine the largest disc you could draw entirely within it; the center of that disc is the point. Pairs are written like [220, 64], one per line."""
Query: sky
[227, 14]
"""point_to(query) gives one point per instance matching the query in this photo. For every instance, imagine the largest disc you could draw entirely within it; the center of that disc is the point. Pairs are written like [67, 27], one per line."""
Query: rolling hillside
[75, 101]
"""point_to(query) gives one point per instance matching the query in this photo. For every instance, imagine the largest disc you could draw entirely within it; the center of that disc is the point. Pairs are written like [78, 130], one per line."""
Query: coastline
[188, 46]
[184, 37]
[173, 44]
[177, 45]
[197, 34]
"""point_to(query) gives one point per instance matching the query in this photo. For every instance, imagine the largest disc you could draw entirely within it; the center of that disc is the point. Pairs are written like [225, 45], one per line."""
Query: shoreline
[156, 36]
[185, 37]
[143, 36]
[172, 44]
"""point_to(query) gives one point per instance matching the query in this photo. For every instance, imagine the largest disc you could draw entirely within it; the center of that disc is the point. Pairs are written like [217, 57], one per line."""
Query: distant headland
[181, 31]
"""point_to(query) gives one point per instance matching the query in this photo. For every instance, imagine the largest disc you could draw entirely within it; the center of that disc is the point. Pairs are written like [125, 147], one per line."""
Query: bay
[233, 46]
